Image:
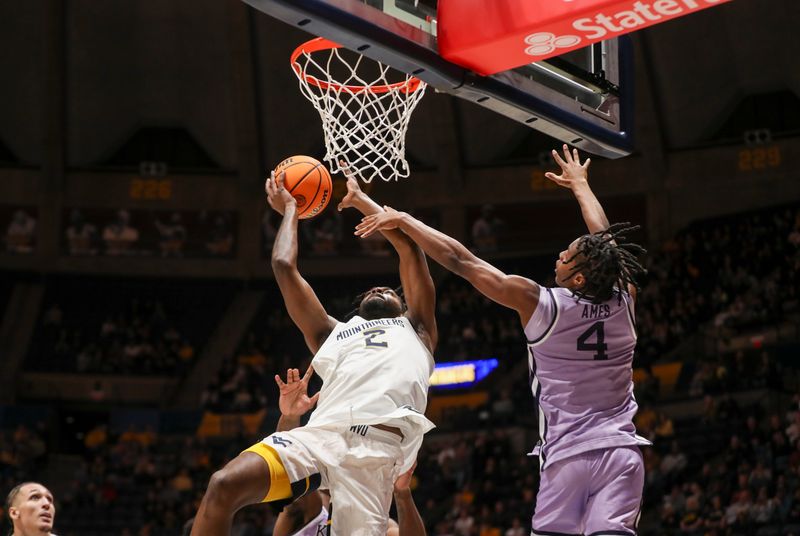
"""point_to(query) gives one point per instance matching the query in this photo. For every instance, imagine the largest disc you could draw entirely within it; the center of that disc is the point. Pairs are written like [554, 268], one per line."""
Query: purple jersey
[580, 356]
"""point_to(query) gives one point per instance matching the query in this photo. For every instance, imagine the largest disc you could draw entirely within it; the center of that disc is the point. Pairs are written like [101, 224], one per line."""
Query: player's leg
[258, 474]
[298, 514]
[561, 500]
[616, 498]
[244, 480]
[361, 488]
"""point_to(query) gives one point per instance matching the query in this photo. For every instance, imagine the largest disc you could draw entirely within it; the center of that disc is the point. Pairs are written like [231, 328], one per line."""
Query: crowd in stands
[141, 329]
[745, 481]
[20, 232]
[174, 234]
[737, 272]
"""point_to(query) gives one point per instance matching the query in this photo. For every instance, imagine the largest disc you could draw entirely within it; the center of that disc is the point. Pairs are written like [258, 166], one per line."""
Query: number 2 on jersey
[598, 347]
[370, 336]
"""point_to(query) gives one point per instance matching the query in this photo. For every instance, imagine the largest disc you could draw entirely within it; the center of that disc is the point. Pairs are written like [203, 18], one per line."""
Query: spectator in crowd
[81, 235]
[220, 239]
[172, 235]
[21, 233]
[323, 234]
[119, 236]
[486, 230]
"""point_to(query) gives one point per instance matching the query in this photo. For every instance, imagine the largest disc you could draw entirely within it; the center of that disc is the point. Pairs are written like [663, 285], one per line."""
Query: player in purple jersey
[581, 337]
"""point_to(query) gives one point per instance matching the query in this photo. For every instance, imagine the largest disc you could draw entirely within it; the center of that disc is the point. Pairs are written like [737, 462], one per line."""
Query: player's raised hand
[353, 188]
[573, 173]
[294, 400]
[278, 196]
[382, 221]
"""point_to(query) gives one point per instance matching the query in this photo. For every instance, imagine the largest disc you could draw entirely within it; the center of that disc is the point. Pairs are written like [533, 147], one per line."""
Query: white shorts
[358, 466]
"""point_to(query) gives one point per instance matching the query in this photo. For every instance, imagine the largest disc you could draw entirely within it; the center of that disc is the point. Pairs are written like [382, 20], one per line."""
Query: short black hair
[357, 301]
[10, 498]
[607, 261]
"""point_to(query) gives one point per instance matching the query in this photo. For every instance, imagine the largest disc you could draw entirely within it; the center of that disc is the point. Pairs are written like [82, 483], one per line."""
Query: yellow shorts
[279, 486]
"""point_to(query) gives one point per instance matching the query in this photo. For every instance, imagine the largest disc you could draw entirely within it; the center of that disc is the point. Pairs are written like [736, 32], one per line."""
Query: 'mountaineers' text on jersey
[580, 359]
[375, 372]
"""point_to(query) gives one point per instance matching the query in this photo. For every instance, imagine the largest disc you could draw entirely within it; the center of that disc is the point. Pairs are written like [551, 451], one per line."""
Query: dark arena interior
[141, 325]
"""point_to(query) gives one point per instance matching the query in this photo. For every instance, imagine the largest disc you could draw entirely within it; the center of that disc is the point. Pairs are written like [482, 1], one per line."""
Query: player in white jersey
[309, 515]
[369, 421]
[581, 338]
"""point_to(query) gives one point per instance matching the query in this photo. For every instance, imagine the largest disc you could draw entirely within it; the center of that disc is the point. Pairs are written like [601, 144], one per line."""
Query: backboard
[583, 98]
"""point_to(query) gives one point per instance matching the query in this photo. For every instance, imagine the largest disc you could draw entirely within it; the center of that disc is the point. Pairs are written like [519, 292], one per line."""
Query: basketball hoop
[364, 122]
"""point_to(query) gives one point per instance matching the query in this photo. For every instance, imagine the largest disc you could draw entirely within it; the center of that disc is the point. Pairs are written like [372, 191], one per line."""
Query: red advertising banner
[494, 36]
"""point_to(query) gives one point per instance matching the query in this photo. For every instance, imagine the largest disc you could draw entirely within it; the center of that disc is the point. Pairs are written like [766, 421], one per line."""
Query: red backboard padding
[490, 36]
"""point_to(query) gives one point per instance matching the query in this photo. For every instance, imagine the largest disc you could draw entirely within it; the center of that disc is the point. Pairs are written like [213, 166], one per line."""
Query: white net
[364, 116]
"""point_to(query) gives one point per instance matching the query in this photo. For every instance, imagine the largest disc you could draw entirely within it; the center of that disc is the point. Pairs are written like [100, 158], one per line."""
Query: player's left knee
[221, 488]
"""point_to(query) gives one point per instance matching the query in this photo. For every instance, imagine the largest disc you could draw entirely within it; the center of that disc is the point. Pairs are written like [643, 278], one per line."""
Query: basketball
[309, 182]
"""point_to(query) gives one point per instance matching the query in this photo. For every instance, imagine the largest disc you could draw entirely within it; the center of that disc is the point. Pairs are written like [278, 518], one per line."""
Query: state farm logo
[623, 17]
[543, 43]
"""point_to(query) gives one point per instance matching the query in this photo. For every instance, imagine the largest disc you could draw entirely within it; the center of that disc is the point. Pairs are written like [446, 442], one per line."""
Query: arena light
[461, 373]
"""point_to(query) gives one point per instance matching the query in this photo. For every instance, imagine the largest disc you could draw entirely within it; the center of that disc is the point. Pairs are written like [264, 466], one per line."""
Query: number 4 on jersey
[598, 347]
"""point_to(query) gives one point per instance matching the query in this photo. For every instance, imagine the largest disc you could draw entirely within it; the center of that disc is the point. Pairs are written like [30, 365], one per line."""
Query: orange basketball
[309, 182]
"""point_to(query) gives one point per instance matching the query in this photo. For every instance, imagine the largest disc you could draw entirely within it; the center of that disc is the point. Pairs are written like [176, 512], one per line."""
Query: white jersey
[375, 372]
[316, 527]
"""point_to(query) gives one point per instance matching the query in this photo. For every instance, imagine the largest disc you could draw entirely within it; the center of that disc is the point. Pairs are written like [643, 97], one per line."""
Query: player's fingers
[366, 227]
[308, 374]
[295, 375]
[363, 231]
[586, 164]
[279, 381]
[280, 181]
[576, 156]
[552, 176]
[314, 399]
[365, 222]
[559, 160]
[567, 156]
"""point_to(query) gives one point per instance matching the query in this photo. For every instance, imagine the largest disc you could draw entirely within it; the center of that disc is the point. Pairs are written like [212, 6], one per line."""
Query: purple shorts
[594, 493]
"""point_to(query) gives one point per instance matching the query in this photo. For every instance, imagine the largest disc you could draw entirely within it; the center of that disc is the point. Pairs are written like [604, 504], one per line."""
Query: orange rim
[320, 43]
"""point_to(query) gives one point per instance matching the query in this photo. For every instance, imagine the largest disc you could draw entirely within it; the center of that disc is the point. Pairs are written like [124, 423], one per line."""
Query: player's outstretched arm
[302, 303]
[408, 517]
[418, 289]
[575, 176]
[513, 291]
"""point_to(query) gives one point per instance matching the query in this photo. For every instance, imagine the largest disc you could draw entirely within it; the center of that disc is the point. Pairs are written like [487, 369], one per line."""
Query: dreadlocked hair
[607, 261]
